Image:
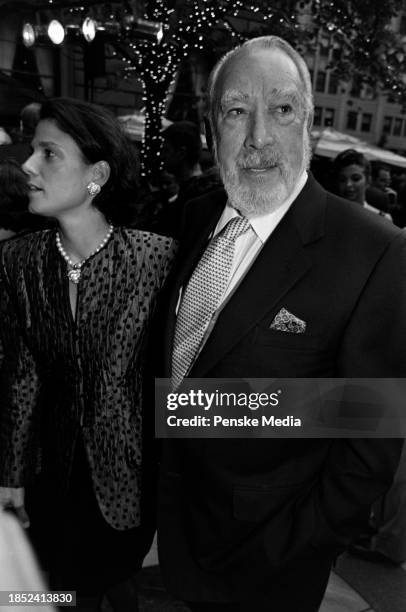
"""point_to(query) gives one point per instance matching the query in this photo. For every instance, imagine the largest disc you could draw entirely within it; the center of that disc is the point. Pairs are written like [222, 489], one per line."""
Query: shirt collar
[263, 225]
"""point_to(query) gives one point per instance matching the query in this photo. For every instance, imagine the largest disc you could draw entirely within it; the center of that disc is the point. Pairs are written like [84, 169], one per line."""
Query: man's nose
[260, 131]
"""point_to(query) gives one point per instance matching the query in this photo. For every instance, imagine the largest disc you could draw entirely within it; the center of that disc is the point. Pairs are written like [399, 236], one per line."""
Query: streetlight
[56, 32]
[89, 29]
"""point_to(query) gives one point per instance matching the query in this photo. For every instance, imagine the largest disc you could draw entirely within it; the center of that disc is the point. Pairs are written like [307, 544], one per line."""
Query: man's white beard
[258, 200]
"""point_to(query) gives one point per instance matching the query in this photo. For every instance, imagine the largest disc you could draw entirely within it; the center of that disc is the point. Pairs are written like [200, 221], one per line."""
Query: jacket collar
[281, 263]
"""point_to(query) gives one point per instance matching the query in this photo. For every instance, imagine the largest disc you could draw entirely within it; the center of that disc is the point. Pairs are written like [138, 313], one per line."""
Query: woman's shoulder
[148, 241]
[20, 247]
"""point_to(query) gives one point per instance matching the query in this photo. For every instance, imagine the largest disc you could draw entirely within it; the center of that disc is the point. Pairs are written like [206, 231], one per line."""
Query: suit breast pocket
[287, 340]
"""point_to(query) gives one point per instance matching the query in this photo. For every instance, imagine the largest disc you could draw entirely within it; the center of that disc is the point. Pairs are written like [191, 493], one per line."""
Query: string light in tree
[347, 24]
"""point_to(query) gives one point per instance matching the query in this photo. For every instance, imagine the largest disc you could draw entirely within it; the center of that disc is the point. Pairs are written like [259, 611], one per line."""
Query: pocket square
[287, 322]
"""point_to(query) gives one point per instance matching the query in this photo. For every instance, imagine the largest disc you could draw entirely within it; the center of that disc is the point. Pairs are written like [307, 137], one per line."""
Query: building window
[317, 115]
[356, 90]
[321, 81]
[328, 117]
[367, 93]
[333, 84]
[397, 127]
[366, 122]
[387, 125]
[352, 120]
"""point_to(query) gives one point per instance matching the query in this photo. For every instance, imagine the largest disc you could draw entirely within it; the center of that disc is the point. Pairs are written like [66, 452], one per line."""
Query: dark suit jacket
[235, 512]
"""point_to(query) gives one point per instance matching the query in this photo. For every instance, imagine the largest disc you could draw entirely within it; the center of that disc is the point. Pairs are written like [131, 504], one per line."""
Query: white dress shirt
[247, 246]
[250, 244]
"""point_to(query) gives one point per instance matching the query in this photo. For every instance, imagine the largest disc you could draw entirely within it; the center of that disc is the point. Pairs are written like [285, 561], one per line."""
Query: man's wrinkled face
[262, 141]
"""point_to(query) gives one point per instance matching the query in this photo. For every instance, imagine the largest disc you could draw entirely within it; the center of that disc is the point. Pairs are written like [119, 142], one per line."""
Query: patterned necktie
[203, 295]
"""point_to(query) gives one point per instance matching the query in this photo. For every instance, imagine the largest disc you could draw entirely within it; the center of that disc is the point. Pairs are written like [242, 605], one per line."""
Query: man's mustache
[259, 159]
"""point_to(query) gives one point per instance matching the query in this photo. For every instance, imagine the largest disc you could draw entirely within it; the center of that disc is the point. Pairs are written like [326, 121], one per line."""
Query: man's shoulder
[377, 198]
[359, 220]
[350, 218]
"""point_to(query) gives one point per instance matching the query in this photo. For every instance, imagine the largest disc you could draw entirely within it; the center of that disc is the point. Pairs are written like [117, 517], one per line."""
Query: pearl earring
[93, 188]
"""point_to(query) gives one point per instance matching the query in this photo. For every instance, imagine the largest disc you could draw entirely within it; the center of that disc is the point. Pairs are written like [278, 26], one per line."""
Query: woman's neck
[81, 235]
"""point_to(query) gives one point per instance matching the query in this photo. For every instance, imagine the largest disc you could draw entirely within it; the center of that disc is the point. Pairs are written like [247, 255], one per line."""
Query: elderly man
[277, 278]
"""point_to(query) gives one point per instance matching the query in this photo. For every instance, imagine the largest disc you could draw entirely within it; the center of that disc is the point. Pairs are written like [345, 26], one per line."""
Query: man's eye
[235, 112]
[48, 153]
[285, 109]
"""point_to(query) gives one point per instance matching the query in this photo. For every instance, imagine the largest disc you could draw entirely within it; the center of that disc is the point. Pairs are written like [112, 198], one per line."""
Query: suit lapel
[282, 262]
[279, 266]
[200, 221]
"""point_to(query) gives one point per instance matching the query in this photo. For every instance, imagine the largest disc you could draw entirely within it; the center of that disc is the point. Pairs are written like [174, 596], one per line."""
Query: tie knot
[236, 227]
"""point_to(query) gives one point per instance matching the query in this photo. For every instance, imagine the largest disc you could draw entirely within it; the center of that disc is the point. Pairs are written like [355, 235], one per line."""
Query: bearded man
[276, 279]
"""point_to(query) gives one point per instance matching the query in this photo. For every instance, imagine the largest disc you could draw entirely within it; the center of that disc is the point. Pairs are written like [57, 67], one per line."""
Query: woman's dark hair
[100, 136]
[13, 195]
[350, 157]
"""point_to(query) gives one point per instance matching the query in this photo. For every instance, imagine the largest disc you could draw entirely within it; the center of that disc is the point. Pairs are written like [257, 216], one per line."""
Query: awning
[329, 142]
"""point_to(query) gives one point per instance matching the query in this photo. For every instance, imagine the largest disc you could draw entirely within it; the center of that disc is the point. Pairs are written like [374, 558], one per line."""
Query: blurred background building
[149, 57]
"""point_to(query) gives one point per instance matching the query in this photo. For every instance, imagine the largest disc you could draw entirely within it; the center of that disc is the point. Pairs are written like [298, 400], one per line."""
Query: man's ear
[101, 172]
[209, 135]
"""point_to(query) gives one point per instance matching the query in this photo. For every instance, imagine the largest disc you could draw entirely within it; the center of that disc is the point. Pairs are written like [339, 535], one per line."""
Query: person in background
[380, 192]
[75, 304]
[275, 278]
[399, 184]
[4, 137]
[181, 151]
[29, 117]
[19, 569]
[387, 544]
[20, 148]
[13, 198]
[14, 215]
[181, 154]
[351, 174]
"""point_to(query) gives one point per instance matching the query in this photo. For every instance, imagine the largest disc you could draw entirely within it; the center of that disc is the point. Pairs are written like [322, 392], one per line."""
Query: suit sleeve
[358, 471]
[18, 394]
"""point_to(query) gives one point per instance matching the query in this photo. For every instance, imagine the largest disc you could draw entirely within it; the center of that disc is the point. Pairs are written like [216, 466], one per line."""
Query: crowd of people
[249, 268]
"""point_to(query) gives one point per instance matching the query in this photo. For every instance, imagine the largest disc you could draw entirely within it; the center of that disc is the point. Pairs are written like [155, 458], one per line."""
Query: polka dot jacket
[64, 377]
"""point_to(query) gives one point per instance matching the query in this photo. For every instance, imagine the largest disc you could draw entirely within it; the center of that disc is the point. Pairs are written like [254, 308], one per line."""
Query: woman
[75, 304]
[351, 176]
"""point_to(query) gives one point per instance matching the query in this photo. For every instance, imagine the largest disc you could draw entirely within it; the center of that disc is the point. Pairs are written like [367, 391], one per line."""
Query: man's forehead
[271, 68]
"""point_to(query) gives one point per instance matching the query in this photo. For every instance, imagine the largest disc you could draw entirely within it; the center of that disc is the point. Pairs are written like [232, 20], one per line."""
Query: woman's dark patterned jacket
[65, 376]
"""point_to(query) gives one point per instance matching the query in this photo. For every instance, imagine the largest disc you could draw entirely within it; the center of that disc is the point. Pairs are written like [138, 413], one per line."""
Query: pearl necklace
[74, 269]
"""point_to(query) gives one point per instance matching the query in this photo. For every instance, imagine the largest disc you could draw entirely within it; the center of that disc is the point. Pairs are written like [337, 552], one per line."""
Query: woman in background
[351, 177]
[75, 302]
[14, 215]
